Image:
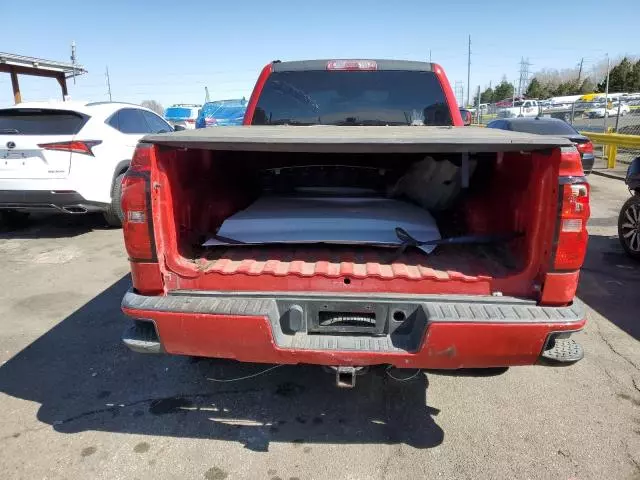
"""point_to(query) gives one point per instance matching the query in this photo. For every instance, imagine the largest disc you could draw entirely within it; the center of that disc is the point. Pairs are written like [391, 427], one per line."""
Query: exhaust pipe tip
[74, 210]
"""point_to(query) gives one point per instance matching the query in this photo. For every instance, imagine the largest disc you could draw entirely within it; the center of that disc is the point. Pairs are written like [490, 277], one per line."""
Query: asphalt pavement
[74, 403]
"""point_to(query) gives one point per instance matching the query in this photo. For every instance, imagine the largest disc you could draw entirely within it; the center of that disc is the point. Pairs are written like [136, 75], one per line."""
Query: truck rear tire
[629, 227]
[114, 215]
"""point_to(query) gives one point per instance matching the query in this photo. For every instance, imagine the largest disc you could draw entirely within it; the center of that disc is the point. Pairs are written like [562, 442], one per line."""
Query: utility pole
[108, 84]
[606, 95]
[469, 70]
[73, 60]
[206, 94]
[580, 70]
[429, 55]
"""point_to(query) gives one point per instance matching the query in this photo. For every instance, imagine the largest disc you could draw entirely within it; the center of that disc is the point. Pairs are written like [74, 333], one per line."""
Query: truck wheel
[114, 215]
[629, 227]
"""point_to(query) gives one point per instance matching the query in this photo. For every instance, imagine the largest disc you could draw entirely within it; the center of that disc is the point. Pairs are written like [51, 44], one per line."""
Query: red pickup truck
[353, 221]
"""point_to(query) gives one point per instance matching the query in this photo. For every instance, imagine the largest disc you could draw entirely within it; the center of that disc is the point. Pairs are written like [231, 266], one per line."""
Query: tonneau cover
[356, 139]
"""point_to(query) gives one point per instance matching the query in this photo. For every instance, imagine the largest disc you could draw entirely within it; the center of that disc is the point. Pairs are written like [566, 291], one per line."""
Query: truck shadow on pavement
[84, 379]
[48, 225]
[610, 283]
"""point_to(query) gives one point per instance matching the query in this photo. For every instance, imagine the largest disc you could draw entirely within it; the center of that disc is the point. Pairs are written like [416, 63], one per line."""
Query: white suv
[70, 156]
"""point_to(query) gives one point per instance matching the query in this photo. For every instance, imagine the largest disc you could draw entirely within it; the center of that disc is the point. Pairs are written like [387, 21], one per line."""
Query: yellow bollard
[612, 153]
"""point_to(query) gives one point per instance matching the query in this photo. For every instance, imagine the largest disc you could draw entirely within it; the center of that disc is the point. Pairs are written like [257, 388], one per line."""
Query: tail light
[136, 206]
[572, 232]
[190, 120]
[76, 146]
[210, 121]
[572, 237]
[585, 147]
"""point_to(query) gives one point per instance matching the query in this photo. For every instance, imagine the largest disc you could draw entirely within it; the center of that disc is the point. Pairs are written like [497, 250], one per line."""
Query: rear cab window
[346, 97]
[32, 121]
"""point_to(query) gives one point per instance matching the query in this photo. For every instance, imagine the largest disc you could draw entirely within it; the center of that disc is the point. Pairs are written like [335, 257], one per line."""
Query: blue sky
[169, 50]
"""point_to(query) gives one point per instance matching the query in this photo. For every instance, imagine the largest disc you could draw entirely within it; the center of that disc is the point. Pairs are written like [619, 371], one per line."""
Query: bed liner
[334, 261]
[356, 139]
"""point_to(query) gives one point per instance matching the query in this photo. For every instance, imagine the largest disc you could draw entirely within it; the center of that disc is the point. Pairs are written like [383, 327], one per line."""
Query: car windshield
[542, 127]
[223, 110]
[386, 97]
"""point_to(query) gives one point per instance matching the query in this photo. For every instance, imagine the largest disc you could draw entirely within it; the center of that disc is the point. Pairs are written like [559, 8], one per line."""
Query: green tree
[503, 90]
[485, 97]
[570, 87]
[634, 77]
[536, 89]
[621, 77]
[588, 86]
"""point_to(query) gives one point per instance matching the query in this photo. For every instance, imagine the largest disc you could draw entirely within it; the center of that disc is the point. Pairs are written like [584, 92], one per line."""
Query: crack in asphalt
[13, 436]
[612, 348]
[633, 461]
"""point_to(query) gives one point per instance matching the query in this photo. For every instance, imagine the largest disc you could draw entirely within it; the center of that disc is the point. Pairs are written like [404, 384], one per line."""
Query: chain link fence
[617, 115]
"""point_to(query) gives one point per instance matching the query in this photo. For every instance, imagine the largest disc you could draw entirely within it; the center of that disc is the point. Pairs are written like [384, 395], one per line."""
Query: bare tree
[154, 106]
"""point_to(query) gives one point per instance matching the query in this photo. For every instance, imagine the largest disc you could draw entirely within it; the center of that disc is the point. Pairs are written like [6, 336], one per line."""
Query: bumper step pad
[563, 351]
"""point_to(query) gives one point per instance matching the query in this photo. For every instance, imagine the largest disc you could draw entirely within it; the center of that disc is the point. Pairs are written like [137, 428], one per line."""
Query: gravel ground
[74, 403]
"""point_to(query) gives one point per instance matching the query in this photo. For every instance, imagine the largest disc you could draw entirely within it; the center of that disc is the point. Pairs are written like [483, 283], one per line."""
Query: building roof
[40, 64]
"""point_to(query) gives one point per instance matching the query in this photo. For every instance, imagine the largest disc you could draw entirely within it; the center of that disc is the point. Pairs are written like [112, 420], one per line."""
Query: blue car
[221, 113]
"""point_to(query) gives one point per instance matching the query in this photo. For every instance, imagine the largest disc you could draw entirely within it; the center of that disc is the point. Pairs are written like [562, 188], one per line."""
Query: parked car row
[612, 110]
[183, 115]
[211, 114]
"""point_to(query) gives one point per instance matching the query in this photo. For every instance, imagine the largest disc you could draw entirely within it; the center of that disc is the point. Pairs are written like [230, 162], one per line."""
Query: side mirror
[178, 128]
